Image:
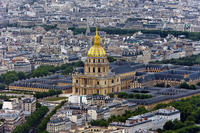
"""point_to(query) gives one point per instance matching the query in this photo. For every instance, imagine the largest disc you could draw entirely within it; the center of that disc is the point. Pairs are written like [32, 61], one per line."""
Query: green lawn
[55, 99]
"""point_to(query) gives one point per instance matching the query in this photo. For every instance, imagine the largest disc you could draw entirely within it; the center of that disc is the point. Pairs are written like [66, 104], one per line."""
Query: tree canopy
[43, 124]
[47, 94]
[190, 114]
[32, 120]
[119, 118]
[189, 35]
[133, 96]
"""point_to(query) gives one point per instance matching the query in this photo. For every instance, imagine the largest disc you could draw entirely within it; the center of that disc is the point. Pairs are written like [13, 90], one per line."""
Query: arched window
[99, 69]
[85, 91]
[93, 69]
[76, 90]
[89, 69]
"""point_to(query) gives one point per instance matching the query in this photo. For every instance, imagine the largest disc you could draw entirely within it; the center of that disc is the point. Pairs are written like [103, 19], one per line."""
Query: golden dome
[96, 50]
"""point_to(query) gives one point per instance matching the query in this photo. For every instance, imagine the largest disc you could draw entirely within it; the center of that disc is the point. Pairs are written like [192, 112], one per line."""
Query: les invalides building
[97, 78]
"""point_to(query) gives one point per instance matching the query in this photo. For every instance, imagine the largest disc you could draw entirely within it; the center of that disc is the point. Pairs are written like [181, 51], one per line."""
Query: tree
[160, 106]
[2, 86]
[192, 87]
[178, 124]
[111, 59]
[169, 125]
[42, 126]
[32, 120]
[21, 75]
[1, 105]
[46, 94]
[68, 69]
[111, 95]
[160, 85]
[40, 72]
[10, 77]
[184, 85]
[122, 95]
[198, 83]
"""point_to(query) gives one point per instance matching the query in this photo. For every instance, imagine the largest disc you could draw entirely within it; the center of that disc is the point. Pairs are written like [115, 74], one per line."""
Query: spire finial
[96, 31]
[96, 38]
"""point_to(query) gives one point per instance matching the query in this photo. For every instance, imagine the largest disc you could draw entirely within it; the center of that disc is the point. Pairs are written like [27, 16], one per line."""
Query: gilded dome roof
[96, 50]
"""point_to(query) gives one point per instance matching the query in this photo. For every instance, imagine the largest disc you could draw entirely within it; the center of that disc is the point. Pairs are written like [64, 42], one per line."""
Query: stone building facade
[97, 78]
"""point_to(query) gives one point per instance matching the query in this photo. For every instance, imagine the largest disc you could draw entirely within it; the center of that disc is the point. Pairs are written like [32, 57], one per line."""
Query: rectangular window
[93, 69]
[76, 90]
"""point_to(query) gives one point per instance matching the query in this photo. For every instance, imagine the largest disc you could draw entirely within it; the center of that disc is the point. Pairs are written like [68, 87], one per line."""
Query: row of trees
[190, 114]
[133, 96]
[119, 118]
[47, 94]
[187, 129]
[176, 124]
[44, 70]
[32, 121]
[45, 26]
[2, 86]
[187, 86]
[162, 85]
[111, 59]
[190, 35]
[10, 77]
[43, 124]
[6, 98]
[186, 61]
[49, 27]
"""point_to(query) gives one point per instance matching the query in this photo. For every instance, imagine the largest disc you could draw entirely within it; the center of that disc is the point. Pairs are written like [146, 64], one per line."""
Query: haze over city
[99, 66]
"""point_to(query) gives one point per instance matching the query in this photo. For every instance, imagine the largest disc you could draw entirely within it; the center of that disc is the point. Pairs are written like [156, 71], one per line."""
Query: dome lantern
[96, 50]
